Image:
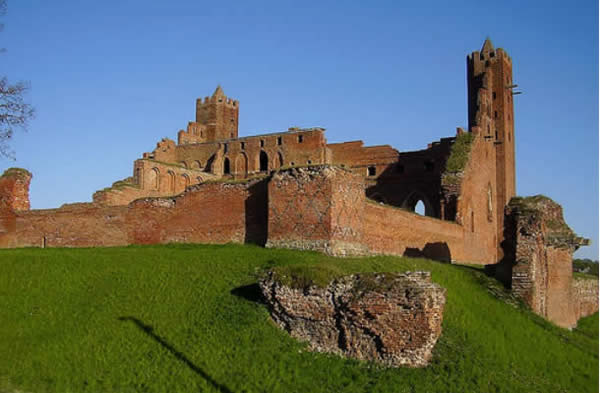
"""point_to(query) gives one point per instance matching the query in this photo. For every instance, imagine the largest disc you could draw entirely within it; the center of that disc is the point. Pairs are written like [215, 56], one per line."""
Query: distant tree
[15, 113]
[585, 266]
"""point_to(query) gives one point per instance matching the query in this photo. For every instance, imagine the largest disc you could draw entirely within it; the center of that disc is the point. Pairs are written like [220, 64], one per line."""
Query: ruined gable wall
[400, 179]
[475, 209]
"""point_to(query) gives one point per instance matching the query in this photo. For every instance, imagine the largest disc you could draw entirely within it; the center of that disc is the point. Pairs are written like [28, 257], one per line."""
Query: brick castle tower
[489, 78]
[219, 115]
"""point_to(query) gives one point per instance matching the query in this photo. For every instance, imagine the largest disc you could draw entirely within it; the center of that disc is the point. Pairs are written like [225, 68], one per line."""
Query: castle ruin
[293, 189]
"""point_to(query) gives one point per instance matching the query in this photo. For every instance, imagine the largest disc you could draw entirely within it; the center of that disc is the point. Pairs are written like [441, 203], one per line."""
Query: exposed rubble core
[391, 318]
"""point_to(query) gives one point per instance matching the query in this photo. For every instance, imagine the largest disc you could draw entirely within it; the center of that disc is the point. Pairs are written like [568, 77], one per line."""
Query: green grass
[184, 318]
[459, 153]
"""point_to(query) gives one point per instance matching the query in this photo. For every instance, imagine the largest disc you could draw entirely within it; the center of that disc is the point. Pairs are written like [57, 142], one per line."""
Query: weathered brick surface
[392, 231]
[208, 213]
[317, 208]
[539, 250]
[393, 319]
[14, 189]
[585, 296]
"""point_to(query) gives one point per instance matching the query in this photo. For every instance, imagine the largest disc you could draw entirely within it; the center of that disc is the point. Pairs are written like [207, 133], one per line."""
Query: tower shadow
[149, 330]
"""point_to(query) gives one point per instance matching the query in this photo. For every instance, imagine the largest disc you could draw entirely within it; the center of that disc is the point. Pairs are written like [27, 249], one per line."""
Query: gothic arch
[171, 182]
[241, 165]
[185, 181]
[413, 198]
[154, 179]
[210, 164]
[278, 160]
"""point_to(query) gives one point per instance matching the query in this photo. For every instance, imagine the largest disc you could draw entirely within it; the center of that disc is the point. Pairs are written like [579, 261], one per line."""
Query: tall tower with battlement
[491, 112]
[217, 116]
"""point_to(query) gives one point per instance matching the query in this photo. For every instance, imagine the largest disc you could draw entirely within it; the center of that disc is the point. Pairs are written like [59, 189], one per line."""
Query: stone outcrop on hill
[393, 319]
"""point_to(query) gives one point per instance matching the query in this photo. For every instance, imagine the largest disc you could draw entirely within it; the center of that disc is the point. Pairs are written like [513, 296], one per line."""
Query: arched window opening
[171, 179]
[241, 165]
[226, 167]
[154, 178]
[209, 164]
[418, 203]
[264, 162]
[472, 221]
[183, 164]
[420, 208]
[138, 177]
[185, 180]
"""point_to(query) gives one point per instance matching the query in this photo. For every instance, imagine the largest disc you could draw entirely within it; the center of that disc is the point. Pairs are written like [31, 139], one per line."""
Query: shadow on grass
[147, 329]
[249, 292]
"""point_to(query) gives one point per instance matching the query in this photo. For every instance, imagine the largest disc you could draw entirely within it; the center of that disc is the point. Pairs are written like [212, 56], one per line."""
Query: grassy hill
[185, 318]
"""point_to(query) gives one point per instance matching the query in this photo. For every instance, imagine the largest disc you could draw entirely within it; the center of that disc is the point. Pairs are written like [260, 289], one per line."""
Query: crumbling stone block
[390, 318]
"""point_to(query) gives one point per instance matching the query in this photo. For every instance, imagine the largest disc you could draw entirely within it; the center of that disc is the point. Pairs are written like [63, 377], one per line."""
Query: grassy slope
[169, 318]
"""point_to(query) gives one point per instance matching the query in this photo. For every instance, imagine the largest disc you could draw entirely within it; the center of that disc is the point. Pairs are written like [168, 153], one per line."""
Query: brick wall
[476, 203]
[389, 230]
[316, 208]
[207, 213]
[585, 296]
[539, 250]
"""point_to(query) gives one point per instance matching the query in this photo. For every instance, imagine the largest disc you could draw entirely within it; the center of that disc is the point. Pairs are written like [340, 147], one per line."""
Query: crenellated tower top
[218, 116]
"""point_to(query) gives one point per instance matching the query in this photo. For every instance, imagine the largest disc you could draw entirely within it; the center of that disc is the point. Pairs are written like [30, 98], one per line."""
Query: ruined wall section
[151, 178]
[14, 189]
[398, 179]
[393, 231]
[207, 213]
[539, 250]
[316, 208]
[475, 205]
[247, 157]
[585, 296]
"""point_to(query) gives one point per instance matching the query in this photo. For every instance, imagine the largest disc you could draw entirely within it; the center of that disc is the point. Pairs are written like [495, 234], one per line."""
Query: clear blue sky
[109, 79]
